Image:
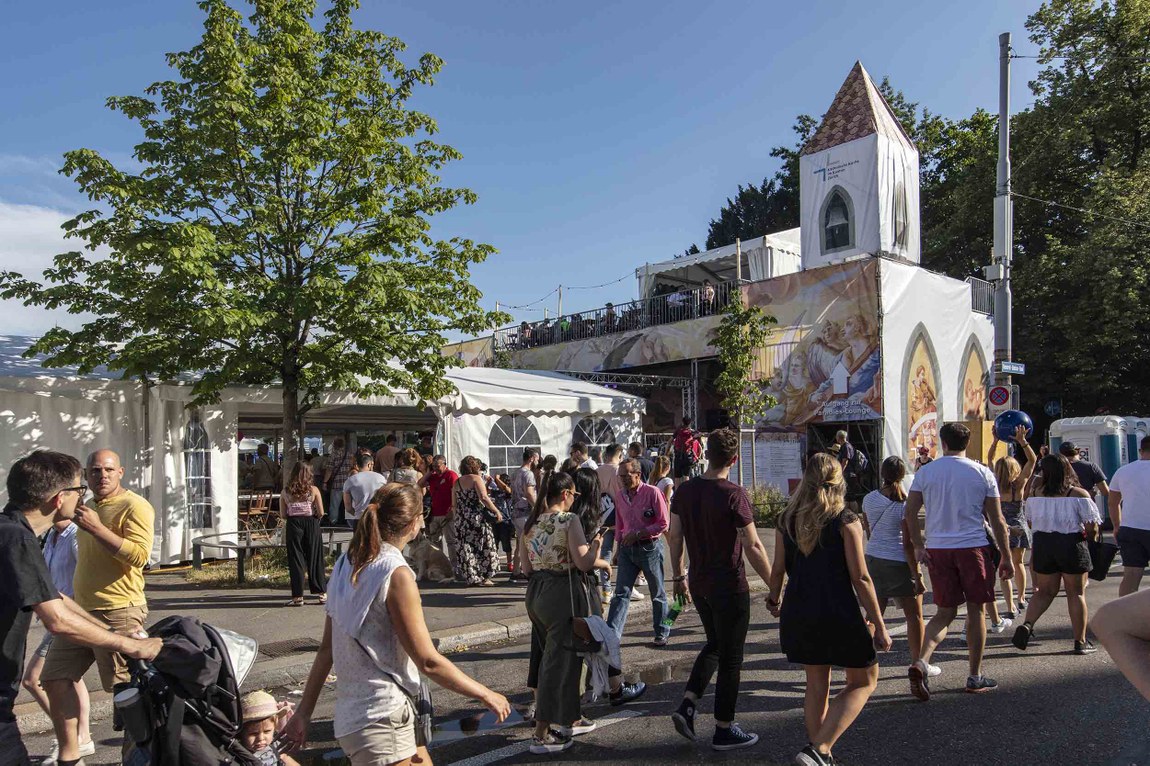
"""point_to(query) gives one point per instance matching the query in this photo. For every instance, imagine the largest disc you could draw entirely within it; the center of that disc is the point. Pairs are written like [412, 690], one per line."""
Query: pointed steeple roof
[858, 110]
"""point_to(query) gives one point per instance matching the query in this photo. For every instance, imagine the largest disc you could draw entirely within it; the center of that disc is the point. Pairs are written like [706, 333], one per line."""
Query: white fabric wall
[898, 175]
[912, 298]
[853, 167]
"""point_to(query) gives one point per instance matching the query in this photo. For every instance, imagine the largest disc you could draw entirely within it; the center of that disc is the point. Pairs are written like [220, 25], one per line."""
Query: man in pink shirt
[641, 517]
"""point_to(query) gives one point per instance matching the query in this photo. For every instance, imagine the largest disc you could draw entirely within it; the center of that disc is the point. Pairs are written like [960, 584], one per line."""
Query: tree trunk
[291, 426]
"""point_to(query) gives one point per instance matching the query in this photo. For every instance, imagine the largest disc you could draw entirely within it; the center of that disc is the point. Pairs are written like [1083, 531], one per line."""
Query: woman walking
[475, 557]
[301, 508]
[376, 637]
[1012, 480]
[1063, 517]
[661, 477]
[557, 550]
[890, 557]
[405, 470]
[819, 546]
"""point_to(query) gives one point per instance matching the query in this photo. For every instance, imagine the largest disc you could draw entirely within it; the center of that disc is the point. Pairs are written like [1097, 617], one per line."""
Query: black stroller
[184, 707]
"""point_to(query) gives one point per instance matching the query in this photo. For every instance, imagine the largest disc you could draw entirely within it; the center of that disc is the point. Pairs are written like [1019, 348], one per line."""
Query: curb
[267, 675]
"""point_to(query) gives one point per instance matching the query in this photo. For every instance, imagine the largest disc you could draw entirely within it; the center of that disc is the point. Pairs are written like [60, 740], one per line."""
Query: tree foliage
[741, 332]
[278, 229]
[1079, 277]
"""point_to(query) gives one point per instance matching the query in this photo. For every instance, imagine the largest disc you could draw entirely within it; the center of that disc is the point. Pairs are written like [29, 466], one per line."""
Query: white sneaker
[87, 748]
[998, 627]
[637, 595]
[933, 670]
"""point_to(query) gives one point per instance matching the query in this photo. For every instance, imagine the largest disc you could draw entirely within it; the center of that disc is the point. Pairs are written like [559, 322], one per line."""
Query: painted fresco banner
[974, 386]
[477, 352]
[921, 402]
[822, 360]
[678, 341]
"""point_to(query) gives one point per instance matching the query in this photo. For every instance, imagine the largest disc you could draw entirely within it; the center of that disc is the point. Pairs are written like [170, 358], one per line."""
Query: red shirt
[439, 485]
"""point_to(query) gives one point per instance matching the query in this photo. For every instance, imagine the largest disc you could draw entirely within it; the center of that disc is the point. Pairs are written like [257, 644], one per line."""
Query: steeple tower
[859, 180]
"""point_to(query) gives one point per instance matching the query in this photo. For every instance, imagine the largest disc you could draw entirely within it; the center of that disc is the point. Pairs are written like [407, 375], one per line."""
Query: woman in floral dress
[475, 557]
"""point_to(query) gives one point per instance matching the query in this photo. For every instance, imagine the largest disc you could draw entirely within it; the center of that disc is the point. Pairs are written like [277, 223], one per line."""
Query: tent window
[596, 433]
[837, 221]
[198, 474]
[510, 435]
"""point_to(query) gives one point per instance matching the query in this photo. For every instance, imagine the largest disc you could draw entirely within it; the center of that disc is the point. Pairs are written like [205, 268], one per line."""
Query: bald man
[114, 543]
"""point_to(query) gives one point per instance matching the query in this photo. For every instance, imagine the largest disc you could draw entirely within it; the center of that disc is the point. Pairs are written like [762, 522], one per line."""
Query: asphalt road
[1052, 707]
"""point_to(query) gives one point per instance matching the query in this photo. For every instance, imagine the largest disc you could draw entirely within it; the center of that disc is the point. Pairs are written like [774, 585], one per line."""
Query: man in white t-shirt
[579, 456]
[360, 487]
[960, 496]
[1129, 504]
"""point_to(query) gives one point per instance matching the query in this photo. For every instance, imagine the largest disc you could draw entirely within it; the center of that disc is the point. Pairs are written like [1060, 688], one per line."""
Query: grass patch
[267, 570]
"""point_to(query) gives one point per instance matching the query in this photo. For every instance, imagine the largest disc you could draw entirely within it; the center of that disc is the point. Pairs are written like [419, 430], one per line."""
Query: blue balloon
[1006, 424]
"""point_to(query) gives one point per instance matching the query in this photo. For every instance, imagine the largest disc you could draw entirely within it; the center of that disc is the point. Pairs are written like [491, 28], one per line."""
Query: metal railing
[635, 315]
[981, 295]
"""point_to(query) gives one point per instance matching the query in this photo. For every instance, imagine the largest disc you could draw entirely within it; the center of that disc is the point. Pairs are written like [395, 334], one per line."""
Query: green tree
[741, 332]
[278, 231]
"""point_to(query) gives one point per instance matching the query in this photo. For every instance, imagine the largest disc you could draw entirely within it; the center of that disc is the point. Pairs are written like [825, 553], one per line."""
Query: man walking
[959, 495]
[1130, 513]
[609, 485]
[439, 482]
[360, 487]
[687, 451]
[43, 488]
[523, 496]
[1090, 476]
[713, 516]
[385, 457]
[641, 517]
[335, 473]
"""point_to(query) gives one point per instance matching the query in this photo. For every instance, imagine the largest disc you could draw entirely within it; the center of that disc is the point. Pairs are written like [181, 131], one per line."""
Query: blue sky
[597, 135]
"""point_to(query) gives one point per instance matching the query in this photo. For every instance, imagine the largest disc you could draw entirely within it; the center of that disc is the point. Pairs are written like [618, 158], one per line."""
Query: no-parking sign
[999, 398]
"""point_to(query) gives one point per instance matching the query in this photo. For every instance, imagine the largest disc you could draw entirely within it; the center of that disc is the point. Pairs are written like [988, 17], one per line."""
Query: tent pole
[738, 261]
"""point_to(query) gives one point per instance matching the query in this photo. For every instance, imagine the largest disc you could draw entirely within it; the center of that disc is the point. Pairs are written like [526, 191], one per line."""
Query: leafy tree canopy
[278, 231]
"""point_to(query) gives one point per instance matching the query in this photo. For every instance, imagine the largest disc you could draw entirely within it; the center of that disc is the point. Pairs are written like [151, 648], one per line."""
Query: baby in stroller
[264, 719]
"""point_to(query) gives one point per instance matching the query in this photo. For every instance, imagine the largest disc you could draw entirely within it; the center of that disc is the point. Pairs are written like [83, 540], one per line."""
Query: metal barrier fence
[636, 315]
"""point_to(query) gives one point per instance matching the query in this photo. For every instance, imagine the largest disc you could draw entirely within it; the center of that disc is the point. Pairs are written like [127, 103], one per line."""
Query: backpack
[858, 464]
[685, 446]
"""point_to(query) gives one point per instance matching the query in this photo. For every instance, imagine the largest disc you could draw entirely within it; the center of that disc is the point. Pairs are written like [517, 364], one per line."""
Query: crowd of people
[570, 529]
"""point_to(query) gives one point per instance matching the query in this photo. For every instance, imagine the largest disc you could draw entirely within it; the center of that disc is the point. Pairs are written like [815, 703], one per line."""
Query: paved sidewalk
[459, 618]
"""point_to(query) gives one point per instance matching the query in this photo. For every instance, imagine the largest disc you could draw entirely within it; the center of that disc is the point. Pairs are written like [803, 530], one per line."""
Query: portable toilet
[1136, 430]
[1100, 439]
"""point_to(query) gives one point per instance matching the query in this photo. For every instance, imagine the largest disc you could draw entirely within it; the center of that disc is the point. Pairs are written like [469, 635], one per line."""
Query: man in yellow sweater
[114, 542]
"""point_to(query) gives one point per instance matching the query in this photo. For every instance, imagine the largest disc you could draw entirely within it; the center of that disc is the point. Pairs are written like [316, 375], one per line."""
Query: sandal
[487, 583]
[295, 602]
[322, 599]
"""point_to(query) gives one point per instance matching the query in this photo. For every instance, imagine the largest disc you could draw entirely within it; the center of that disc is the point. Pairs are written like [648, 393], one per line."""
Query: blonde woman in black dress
[819, 546]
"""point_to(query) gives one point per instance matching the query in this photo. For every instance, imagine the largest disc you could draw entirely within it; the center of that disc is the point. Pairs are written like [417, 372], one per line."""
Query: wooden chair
[256, 516]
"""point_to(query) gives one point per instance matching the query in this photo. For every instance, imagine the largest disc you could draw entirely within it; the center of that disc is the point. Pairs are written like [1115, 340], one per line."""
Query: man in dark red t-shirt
[439, 482]
[713, 516]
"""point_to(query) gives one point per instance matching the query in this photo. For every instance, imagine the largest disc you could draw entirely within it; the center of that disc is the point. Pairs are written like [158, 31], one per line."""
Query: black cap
[1069, 449]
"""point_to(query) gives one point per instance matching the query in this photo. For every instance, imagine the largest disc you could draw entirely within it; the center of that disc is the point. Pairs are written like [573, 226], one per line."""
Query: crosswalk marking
[521, 747]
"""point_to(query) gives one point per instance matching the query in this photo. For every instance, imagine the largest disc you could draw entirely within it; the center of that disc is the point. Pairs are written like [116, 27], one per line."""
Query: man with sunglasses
[641, 517]
[114, 542]
[43, 488]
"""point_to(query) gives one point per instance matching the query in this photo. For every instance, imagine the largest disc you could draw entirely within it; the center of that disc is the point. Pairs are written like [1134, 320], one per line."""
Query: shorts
[1060, 553]
[682, 467]
[45, 645]
[892, 579]
[1014, 522]
[962, 575]
[69, 662]
[519, 521]
[390, 739]
[1134, 544]
[504, 532]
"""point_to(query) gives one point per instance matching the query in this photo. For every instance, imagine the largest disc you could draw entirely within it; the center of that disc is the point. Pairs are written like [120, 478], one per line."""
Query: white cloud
[30, 236]
[23, 164]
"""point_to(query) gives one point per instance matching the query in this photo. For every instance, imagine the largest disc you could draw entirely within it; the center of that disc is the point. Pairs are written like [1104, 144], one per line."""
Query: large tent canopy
[771, 255]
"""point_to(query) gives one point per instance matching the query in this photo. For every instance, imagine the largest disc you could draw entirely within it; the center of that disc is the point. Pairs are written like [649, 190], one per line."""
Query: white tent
[184, 460]
[771, 255]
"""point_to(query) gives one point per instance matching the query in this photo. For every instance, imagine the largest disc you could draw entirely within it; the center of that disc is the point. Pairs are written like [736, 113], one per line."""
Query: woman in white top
[377, 639]
[661, 477]
[890, 558]
[1062, 518]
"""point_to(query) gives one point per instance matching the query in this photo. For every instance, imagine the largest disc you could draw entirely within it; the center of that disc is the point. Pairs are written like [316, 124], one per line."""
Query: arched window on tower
[198, 474]
[837, 227]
